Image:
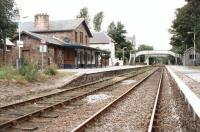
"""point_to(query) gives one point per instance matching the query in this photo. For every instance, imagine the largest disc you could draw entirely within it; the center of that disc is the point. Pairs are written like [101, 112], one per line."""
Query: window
[76, 40]
[86, 39]
[81, 37]
[191, 56]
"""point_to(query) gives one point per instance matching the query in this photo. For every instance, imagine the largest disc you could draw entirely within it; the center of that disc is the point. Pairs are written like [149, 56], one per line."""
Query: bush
[50, 71]
[29, 72]
[7, 72]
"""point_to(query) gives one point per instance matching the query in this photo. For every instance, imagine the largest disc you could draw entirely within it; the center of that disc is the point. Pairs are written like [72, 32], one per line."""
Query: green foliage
[7, 26]
[187, 20]
[145, 47]
[117, 33]
[84, 14]
[50, 71]
[97, 21]
[30, 72]
[7, 72]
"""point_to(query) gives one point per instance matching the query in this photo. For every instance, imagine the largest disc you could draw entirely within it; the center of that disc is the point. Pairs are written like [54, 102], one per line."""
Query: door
[69, 56]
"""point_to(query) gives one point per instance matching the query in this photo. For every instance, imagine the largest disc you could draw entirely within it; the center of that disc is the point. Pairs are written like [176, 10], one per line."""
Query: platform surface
[192, 72]
[190, 94]
[95, 70]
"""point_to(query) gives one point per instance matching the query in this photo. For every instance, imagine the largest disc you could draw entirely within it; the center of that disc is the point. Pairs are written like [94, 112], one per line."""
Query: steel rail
[65, 90]
[51, 107]
[83, 124]
[150, 127]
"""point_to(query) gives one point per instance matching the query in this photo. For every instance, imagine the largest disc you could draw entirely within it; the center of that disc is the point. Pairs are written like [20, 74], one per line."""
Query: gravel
[75, 113]
[132, 113]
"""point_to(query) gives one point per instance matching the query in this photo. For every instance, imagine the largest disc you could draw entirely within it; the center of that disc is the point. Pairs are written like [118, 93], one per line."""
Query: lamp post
[19, 42]
[194, 35]
[123, 54]
[131, 57]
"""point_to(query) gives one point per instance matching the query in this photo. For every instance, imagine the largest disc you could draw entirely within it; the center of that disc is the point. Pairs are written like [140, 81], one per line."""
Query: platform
[191, 93]
[96, 70]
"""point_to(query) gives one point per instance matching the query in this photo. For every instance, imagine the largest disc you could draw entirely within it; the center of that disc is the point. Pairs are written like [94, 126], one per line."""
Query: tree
[7, 27]
[117, 33]
[187, 20]
[145, 47]
[97, 21]
[84, 14]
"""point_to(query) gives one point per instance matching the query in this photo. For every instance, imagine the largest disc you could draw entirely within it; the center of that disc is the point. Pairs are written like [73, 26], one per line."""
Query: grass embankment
[27, 73]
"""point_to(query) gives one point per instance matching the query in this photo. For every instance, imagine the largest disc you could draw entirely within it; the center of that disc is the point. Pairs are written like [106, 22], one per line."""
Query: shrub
[50, 71]
[7, 72]
[29, 72]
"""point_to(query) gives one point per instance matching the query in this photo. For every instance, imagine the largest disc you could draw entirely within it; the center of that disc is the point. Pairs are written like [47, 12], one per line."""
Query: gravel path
[132, 113]
[72, 115]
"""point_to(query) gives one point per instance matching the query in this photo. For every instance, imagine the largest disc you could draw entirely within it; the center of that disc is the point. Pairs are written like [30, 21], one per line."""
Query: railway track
[13, 114]
[170, 111]
[91, 121]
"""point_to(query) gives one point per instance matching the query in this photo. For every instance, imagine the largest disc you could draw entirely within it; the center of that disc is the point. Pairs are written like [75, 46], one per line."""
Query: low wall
[87, 78]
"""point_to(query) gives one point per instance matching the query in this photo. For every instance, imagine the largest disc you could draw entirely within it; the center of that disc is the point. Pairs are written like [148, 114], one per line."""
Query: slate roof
[191, 48]
[56, 41]
[100, 38]
[49, 40]
[58, 25]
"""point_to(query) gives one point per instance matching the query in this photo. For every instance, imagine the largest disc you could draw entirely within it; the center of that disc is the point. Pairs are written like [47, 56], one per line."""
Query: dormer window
[86, 38]
[81, 37]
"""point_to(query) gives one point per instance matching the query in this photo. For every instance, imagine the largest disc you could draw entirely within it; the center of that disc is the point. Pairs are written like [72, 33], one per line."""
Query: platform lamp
[194, 35]
[123, 54]
[19, 42]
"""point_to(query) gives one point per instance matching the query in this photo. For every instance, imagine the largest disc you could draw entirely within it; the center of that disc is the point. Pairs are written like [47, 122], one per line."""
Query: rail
[12, 122]
[82, 125]
[155, 104]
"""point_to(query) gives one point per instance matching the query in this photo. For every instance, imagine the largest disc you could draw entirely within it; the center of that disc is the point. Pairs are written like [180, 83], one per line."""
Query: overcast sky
[149, 20]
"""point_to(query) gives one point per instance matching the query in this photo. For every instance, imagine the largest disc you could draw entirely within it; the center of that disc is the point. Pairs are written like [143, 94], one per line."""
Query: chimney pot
[42, 21]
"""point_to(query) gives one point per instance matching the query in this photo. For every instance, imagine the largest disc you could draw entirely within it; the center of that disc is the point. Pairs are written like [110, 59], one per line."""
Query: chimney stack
[42, 21]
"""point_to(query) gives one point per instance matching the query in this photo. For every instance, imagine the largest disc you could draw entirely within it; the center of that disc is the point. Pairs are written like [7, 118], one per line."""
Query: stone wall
[70, 35]
[87, 78]
[10, 59]
[31, 53]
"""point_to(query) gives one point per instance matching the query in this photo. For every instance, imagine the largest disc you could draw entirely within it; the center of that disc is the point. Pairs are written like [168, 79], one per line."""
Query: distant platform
[95, 70]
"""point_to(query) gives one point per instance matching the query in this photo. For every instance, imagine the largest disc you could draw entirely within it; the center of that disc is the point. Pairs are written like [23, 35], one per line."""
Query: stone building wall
[80, 29]
[31, 53]
[70, 35]
[10, 56]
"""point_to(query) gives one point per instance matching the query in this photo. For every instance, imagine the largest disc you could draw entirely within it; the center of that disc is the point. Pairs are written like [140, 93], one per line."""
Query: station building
[101, 40]
[67, 43]
[188, 57]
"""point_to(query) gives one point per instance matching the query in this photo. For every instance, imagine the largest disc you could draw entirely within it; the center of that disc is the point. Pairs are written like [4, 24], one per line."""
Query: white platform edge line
[191, 97]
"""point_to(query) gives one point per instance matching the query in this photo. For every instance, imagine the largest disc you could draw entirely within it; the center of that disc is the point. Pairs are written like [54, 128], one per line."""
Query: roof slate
[54, 25]
[49, 40]
[100, 38]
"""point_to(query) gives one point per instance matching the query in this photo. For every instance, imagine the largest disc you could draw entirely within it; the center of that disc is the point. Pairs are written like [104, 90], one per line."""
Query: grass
[29, 73]
[50, 71]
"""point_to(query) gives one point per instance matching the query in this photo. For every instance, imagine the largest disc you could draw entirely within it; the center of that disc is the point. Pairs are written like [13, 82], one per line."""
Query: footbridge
[152, 53]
